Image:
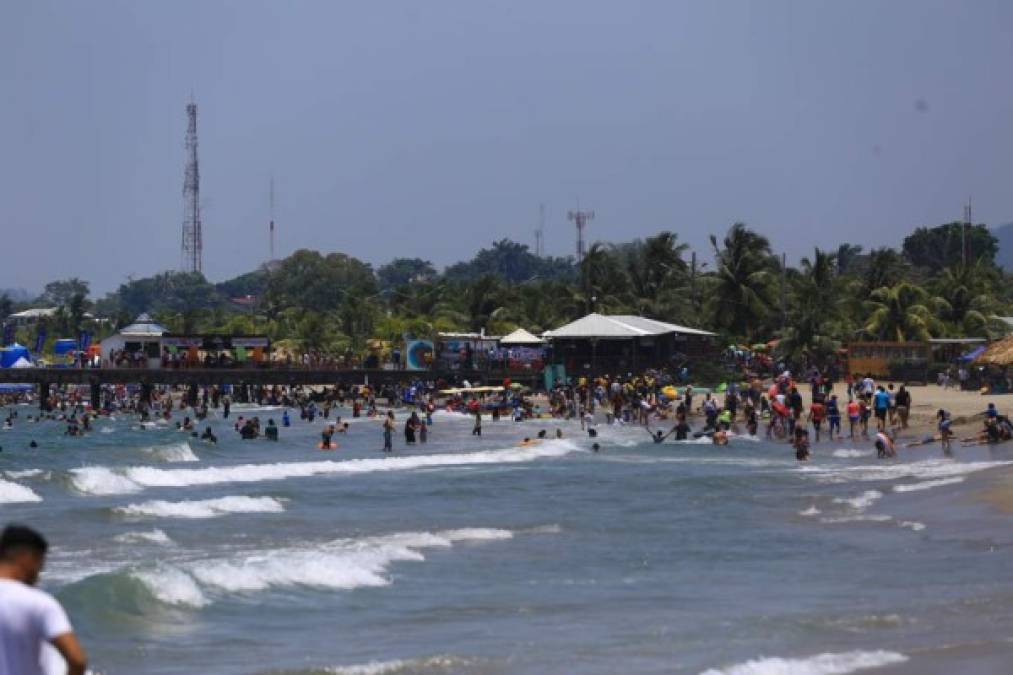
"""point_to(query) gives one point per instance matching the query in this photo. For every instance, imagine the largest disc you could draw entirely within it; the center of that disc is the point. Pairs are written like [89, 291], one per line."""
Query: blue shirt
[882, 400]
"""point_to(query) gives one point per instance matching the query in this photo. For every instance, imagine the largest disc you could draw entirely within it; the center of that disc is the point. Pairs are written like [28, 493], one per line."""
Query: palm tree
[968, 299]
[813, 310]
[742, 291]
[901, 313]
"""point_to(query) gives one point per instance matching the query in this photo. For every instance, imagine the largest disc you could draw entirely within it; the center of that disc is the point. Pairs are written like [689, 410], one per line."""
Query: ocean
[475, 555]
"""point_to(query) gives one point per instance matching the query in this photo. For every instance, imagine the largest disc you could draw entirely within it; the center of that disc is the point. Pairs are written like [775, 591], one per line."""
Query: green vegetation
[335, 303]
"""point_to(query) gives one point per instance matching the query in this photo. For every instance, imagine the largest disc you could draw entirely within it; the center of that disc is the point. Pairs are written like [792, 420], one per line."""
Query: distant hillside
[1004, 233]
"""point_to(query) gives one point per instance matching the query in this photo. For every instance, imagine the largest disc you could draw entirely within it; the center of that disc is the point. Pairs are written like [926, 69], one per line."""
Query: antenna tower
[581, 218]
[193, 243]
[540, 232]
[272, 258]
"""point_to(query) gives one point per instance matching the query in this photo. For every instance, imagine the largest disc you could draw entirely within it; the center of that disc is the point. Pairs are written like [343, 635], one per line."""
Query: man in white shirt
[29, 617]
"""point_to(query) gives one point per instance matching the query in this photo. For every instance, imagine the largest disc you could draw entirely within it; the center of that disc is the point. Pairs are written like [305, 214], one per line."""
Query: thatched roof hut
[999, 353]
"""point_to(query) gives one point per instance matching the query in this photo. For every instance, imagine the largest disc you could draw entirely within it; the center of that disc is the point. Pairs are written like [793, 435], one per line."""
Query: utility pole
[965, 226]
[784, 291]
[540, 232]
[193, 244]
[271, 198]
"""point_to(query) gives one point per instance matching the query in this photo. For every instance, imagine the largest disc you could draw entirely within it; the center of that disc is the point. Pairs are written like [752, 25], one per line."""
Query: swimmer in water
[596, 447]
[658, 436]
[884, 444]
[720, 438]
[801, 444]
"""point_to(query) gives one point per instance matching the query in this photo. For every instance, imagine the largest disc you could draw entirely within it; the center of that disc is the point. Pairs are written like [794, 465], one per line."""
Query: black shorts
[881, 413]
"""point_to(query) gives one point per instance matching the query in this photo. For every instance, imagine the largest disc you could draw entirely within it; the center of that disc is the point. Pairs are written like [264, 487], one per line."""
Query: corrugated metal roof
[619, 326]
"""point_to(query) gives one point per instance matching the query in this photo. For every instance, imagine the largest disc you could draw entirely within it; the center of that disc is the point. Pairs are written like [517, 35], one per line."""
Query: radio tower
[581, 218]
[193, 244]
[271, 259]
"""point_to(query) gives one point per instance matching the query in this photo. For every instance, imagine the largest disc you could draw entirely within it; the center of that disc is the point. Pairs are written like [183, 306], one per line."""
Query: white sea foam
[100, 480]
[476, 534]
[923, 470]
[12, 493]
[821, 664]
[203, 508]
[152, 536]
[914, 525]
[106, 430]
[848, 453]
[171, 585]
[343, 564]
[26, 473]
[928, 484]
[393, 667]
[811, 511]
[176, 452]
[860, 518]
[104, 481]
[862, 501]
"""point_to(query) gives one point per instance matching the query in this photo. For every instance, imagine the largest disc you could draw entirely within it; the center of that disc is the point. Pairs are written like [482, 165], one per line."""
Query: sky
[410, 129]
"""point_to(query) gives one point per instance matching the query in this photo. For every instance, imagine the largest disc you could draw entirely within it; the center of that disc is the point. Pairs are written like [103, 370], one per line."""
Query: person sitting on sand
[209, 436]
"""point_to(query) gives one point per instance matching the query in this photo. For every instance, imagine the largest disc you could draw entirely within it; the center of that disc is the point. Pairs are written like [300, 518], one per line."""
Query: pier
[194, 378]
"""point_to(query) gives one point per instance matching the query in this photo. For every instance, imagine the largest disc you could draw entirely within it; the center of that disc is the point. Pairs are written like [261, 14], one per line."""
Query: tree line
[942, 282]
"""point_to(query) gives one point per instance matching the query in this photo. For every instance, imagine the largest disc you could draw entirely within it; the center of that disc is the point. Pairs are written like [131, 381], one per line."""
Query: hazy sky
[432, 128]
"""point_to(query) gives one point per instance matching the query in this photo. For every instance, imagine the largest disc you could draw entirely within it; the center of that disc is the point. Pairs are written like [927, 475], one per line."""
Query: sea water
[476, 555]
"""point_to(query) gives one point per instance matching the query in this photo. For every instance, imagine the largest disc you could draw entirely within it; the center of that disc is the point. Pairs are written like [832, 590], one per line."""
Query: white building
[143, 335]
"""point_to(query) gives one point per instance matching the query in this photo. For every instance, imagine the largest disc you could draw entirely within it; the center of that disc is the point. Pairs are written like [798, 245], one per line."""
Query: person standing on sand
[477, 430]
[29, 617]
[881, 404]
[903, 400]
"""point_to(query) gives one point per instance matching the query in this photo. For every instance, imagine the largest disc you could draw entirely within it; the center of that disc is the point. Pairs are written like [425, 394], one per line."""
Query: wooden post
[96, 395]
[44, 397]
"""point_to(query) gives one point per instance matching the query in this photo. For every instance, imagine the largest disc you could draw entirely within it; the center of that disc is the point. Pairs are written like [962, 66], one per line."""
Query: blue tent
[972, 355]
[9, 355]
[64, 345]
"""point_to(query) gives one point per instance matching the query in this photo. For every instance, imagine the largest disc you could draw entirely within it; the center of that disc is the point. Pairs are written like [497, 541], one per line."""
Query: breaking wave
[821, 664]
[13, 493]
[203, 508]
[177, 452]
[343, 564]
[100, 480]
